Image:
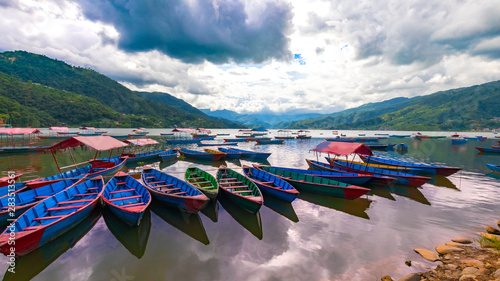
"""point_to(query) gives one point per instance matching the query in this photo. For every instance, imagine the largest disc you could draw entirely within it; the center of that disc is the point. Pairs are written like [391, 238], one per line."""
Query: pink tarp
[19, 131]
[141, 142]
[342, 148]
[99, 143]
[176, 130]
[59, 129]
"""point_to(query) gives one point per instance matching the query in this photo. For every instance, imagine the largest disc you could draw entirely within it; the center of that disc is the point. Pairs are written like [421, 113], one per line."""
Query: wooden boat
[237, 140]
[270, 184]
[401, 178]
[350, 178]
[276, 141]
[53, 217]
[30, 197]
[202, 180]
[216, 144]
[9, 180]
[239, 189]
[204, 138]
[172, 191]
[407, 170]
[99, 167]
[201, 155]
[489, 150]
[166, 134]
[313, 184]
[24, 149]
[13, 189]
[230, 154]
[303, 134]
[375, 180]
[223, 134]
[400, 136]
[377, 146]
[182, 141]
[284, 135]
[134, 156]
[429, 169]
[246, 153]
[401, 147]
[494, 168]
[168, 155]
[126, 198]
[216, 152]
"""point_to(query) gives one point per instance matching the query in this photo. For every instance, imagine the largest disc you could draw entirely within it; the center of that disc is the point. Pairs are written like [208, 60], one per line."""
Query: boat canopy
[59, 129]
[88, 128]
[176, 130]
[342, 148]
[201, 130]
[99, 143]
[141, 142]
[19, 131]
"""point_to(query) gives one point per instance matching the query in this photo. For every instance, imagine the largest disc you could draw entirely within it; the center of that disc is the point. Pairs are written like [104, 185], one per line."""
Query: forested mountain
[112, 96]
[458, 109]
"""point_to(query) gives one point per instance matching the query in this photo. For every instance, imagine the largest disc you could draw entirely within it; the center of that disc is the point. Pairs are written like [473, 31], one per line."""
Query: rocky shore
[460, 260]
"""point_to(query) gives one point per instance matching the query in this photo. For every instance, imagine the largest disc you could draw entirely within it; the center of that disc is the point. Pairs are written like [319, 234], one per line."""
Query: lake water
[314, 238]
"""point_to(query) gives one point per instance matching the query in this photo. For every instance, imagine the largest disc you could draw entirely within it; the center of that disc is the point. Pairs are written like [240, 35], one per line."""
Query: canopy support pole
[72, 158]
[57, 164]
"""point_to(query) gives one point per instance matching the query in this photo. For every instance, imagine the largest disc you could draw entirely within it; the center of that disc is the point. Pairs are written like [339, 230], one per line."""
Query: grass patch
[489, 243]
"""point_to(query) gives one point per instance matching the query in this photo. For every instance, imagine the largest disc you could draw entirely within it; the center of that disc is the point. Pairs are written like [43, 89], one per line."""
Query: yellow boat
[406, 170]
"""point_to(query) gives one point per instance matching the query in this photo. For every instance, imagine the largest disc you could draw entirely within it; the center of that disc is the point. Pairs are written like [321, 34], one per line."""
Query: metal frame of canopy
[97, 143]
[16, 132]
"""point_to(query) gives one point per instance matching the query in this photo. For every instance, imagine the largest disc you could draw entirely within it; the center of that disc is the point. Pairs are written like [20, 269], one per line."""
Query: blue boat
[230, 154]
[53, 217]
[400, 136]
[181, 141]
[238, 140]
[275, 141]
[377, 146]
[126, 198]
[376, 179]
[270, 184]
[27, 199]
[246, 153]
[351, 178]
[494, 168]
[488, 150]
[401, 178]
[428, 169]
[205, 138]
[401, 147]
[217, 144]
[210, 156]
[173, 191]
[99, 167]
[168, 155]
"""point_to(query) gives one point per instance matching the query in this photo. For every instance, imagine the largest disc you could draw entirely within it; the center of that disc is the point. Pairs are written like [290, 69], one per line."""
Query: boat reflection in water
[356, 207]
[31, 265]
[380, 191]
[249, 221]
[134, 239]
[443, 182]
[189, 223]
[410, 192]
[216, 163]
[283, 208]
[211, 210]
[169, 162]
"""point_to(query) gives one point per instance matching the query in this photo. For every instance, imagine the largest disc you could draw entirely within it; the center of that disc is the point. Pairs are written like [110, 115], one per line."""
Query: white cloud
[352, 53]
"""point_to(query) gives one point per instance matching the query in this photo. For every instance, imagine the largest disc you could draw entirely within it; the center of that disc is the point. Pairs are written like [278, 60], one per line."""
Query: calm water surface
[314, 238]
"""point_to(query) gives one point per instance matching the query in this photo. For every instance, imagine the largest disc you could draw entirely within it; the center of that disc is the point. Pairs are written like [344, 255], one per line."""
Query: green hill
[116, 98]
[458, 109]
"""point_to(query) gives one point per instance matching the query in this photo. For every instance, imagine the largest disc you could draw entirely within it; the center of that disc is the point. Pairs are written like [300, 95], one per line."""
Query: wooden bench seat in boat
[65, 208]
[75, 201]
[178, 193]
[236, 186]
[85, 194]
[228, 179]
[125, 198]
[231, 182]
[123, 190]
[49, 217]
[242, 191]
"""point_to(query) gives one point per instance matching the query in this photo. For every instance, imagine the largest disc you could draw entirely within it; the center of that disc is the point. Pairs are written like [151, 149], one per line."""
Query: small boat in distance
[246, 153]
[276, 141]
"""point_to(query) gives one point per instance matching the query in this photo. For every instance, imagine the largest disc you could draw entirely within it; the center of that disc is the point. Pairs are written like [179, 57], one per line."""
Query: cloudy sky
[267, 55]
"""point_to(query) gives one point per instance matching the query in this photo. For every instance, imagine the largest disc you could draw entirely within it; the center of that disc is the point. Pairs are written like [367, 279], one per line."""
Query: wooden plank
[179, 193]
[49, 217]
[133, 205]
[75, 201]
[123, 190]
[41, 197]
[85, 194]
[121, 183]
[241, 191]
[65, 207]
[228, 179]
[236, 186]
[125, 198]
[231, 182]
[164, 185]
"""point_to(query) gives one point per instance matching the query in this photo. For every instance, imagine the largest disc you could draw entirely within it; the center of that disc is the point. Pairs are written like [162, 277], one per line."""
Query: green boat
[313, 184]
[239, 189]
[202, 180]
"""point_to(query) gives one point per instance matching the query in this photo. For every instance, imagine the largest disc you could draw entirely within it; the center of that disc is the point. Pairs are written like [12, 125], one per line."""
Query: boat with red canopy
[137, 154]
[97, 167]
[58, 133]
[183, 136]
[10, 142]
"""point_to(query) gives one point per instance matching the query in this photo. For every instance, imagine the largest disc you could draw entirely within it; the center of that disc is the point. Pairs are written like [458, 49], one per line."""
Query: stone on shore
[462, 240]
[443, 249]
[428, 255]
[455, 244]
[472, 262]
[411, 277]
[386, 278]
[492, 230]
[490, 236]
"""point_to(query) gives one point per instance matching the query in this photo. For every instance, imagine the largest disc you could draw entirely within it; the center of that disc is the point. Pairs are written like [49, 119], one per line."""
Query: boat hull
[427, 169]
[494, 168]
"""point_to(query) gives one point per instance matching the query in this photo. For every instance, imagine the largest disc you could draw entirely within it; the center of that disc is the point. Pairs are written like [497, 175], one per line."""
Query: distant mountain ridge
[466, 108]
[115, 98]
[258, 119]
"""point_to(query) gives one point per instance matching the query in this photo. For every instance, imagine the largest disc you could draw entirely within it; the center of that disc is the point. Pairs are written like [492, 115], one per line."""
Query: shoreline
[461, 260]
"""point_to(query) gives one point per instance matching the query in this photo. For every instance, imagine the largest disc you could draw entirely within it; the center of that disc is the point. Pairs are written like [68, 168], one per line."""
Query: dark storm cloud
[217, 31]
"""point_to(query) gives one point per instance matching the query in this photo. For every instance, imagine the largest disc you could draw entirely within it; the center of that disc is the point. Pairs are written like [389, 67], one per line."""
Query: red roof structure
[141, 142]
[342, 148]
[99, 143]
